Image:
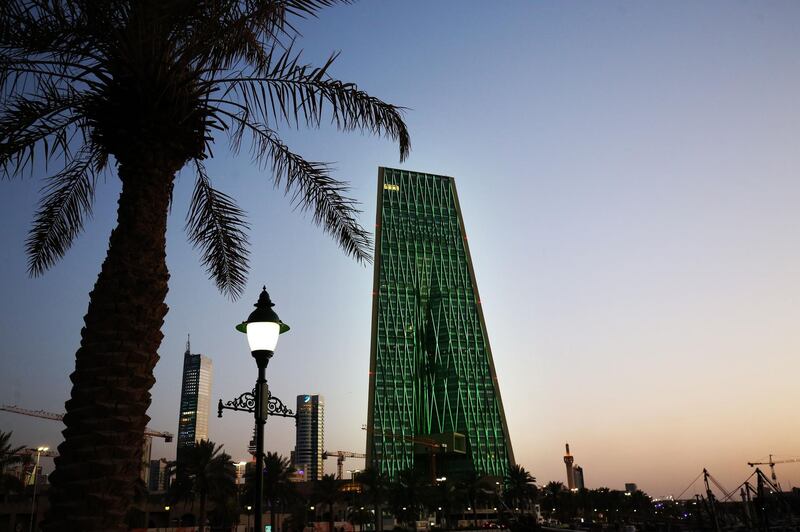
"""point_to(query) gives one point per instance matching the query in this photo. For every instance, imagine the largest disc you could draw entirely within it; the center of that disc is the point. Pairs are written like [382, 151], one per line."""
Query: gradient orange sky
[628, 174]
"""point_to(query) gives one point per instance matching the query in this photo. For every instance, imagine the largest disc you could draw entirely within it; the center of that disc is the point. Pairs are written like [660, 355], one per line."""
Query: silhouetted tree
[327, 491]
[298, 514]
[550, 496]
[407, 494]
[148, 86]
[204, 471]
[359, 516]
[376, 486]
[9, 455]
[278, 487]
[445, 495]
[519, 488]
[471, 487]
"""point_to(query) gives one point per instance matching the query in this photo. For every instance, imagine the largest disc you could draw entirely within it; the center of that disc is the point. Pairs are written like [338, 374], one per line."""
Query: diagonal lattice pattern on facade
[432, 376]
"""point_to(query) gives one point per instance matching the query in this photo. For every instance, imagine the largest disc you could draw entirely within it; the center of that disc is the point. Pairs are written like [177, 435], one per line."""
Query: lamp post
[262, 327]
[249, 515]
[39, 451]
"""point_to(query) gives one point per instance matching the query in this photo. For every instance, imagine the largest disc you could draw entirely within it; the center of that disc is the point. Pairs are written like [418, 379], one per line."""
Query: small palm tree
[148, 87]
[278, 487]
[519, 487]
[9, 455]
[327, 491]
[298, 514]
[408, 493]
[359, 516]
[472, 486]
[204, 471]
[375, 485]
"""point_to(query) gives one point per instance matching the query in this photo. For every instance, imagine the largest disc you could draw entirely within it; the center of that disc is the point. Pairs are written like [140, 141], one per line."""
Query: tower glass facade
[432, 379]
[195, 399]
[310, 439]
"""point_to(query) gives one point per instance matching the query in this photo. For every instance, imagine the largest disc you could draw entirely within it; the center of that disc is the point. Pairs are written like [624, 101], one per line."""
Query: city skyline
[644, 159]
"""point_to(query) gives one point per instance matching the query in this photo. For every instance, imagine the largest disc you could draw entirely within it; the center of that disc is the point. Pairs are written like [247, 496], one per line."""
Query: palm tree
[147, 87]
[326, 491]
[375, 485]
[359, 516]
[278, 487]
[447, 495]
[9, 456]
[298, 515]
[408, 494]
[204, 471]
[519, 487]
[471, 486]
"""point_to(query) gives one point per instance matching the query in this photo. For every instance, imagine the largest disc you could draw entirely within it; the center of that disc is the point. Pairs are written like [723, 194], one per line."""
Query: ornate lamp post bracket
[247, 403]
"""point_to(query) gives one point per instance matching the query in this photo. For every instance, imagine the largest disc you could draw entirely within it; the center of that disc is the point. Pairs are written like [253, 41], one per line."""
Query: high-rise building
[195, 400]
[434, 399]
[577, 473]
[147, 449]
[310, 442]
[241, 470]
[158, 480]
[251, 446]
[568, 460]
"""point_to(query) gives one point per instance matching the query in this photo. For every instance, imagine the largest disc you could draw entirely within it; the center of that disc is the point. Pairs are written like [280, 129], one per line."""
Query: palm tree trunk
[272, 517]
[99, 461]
[330, 516]
[378, 517]
[202, 523]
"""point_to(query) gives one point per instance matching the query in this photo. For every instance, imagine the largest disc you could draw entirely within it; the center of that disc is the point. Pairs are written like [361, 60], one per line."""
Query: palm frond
[217, 226]
[226, 32]
[66, 201]
[310, 186]
[293, 92]
[28, 122]
[54, 30]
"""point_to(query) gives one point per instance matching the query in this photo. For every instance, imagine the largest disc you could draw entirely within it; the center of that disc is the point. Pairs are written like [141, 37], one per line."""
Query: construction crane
[340, 456]
[43, 414]
[771, 465]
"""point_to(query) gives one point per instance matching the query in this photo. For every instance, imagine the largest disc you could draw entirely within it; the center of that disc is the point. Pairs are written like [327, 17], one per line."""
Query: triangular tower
[434, 400]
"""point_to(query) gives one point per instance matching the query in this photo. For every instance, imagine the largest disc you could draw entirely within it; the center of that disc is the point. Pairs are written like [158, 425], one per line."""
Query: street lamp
[39, 451]
[249, 515]
[262, 328]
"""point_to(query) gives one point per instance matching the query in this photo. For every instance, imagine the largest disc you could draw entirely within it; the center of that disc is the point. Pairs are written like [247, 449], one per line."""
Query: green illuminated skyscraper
[434, 401]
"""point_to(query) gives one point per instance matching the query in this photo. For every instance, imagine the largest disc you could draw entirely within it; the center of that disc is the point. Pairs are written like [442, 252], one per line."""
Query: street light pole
[262, 359]
[39, 452]
[262, 327]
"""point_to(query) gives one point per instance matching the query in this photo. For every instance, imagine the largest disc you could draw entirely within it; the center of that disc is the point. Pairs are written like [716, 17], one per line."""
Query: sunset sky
[629, 174]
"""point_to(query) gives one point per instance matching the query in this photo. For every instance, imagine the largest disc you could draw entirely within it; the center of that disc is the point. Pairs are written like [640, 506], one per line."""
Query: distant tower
[195, 399]
[158, 475]
[578, 474]
[568, 460]
[310, 443]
